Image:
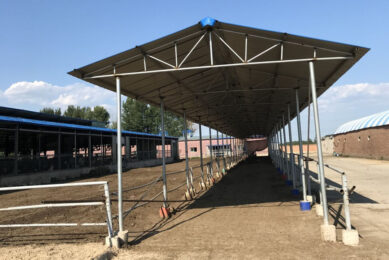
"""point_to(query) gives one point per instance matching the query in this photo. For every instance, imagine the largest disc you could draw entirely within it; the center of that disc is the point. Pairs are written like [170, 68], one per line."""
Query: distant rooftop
[379, 119]
[14, 112]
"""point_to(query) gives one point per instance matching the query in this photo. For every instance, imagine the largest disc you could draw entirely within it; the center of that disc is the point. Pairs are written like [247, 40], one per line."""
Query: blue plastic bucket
[305, 205]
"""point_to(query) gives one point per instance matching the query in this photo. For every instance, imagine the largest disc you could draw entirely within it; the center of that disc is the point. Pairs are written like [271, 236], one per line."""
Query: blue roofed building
[366, 137]
[38, 148]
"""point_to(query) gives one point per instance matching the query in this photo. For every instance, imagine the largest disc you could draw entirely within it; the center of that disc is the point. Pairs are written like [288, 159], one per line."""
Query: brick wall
[367, 143]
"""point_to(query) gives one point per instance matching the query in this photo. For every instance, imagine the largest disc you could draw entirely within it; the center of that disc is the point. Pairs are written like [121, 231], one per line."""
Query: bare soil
[249, 214]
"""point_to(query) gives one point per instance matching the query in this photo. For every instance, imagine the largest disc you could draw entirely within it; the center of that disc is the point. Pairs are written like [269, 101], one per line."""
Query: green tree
[141, 117]
[101, 114]
[75, 112]
[51, 111]
[98, 113]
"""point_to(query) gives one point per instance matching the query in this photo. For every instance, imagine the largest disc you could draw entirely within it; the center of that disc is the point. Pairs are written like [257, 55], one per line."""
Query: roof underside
[240, 94]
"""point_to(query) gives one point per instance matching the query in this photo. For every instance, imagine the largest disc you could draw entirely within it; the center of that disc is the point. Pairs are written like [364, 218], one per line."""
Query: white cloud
[344, 103]
[38, 94]
[355, 93]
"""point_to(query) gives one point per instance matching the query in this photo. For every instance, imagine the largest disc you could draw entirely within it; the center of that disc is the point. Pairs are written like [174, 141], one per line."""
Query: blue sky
[42, 40]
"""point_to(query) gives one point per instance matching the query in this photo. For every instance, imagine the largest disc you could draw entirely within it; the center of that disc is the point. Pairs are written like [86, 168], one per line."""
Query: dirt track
[249, 214]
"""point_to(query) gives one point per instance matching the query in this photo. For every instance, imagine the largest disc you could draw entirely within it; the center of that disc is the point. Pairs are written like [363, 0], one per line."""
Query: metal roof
[375, 120]
[72, 126]
[15, 112]
[232, 78]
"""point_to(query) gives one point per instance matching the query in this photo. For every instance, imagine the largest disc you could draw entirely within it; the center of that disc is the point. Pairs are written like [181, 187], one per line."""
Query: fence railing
[207, 175]
[107, 204]
[290, 162]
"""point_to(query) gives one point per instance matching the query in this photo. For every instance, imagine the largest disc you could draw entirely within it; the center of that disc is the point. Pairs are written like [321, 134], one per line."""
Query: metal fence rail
[344, 190]
[229, 161]
[107, 203]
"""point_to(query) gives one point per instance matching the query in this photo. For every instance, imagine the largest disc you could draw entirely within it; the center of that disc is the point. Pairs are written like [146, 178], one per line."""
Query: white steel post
[284, 147]
[291, 158]
[346, 202]
[217, 151]
[279, 147]
[201, 153]
[224, 159]
[119, 153]
[233, 148]
[223, 144]
[186, 153]
[318, 142]
[211, 151]
[302, 169]
[164, 187]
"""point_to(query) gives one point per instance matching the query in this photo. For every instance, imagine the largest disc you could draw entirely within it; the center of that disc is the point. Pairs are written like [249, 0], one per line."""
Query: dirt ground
[249, 214]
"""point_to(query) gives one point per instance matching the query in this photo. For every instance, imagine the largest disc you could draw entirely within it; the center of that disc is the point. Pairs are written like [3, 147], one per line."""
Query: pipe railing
[107, 203]
[231, 161]
[278, 160]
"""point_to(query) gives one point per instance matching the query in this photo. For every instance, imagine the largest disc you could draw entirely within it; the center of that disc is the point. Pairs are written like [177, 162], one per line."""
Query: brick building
[366, 137]
[194, 146]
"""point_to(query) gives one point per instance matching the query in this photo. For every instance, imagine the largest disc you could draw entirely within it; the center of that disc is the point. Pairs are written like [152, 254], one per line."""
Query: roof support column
[164, 187]
[119, 153]
[278, 133]
[211, 151]
[233, 148]
[186, 154]
[273, 146]
[284, 147]
[223, 145]
[201, 153]
[318, 142]
[291, 156]
[281, 152]
[270, 146]
[301, 162]
[218, 151]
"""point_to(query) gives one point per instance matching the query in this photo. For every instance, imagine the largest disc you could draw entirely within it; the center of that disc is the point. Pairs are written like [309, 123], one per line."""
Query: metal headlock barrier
[229, 163]
[107, 204]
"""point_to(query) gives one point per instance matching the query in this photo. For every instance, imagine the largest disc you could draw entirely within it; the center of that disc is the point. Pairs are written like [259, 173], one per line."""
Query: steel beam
[119, 153]
[186, 153]
[318, 143]
[201, 153]
[164, 188]
[291, 158]
[301, 160]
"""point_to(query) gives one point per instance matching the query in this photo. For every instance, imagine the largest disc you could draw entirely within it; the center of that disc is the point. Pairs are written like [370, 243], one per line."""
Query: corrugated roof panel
[375, 120]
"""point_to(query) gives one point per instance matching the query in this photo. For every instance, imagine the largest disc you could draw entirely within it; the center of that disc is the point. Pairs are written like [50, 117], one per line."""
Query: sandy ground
[249, 214]
[370, 203]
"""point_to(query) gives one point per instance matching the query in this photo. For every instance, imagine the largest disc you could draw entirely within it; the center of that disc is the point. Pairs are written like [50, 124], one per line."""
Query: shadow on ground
[334, 196]
[253, 183]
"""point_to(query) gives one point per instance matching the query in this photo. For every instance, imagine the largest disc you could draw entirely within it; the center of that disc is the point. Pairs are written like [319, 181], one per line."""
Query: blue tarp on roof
[72, 126]
[375, 120]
